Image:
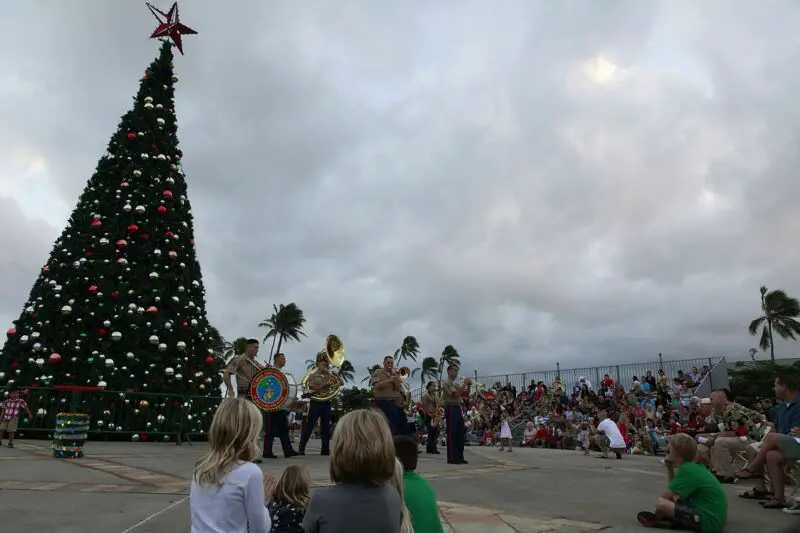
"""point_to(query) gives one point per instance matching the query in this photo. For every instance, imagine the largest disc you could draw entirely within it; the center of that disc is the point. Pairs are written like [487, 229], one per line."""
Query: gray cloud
[450, 171]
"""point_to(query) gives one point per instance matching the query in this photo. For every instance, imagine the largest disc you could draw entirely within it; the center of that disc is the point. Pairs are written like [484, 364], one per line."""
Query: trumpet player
[318, 410]
[452, 395]
[387, 388]
[430, 408]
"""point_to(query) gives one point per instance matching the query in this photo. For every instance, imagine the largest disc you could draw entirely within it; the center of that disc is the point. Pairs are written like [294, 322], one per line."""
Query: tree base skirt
[70, 435]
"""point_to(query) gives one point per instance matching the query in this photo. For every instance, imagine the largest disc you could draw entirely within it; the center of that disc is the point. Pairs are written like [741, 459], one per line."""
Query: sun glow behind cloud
[600, 70]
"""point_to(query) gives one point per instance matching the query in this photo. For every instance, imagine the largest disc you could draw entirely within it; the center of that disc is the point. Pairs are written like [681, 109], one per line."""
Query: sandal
[756, 494]
[774, 504]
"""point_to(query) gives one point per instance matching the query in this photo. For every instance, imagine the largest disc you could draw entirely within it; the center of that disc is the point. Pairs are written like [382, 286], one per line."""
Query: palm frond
[755, 324]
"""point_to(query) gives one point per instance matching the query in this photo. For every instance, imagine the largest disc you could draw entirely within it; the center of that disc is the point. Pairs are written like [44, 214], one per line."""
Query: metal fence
[119, 414]
[716, 378]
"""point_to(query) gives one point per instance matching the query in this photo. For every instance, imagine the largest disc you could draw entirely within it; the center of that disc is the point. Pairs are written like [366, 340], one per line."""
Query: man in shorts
[10, 416]
[694, 499]
[779, 447]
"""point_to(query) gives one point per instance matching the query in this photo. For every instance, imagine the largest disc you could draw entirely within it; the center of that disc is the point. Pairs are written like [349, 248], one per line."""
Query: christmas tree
[120, 303]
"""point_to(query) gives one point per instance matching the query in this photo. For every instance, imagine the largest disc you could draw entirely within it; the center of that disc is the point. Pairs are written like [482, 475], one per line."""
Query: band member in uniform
[452, 395]
[318, 410]
[276, 423]
[244, 367]
[386, 385]
[430, 409]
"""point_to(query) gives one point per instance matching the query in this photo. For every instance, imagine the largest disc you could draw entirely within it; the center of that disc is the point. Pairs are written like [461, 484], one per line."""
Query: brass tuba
[334, 352]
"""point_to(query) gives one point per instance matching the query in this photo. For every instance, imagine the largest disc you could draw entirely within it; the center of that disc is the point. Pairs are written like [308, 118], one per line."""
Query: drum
[271, 390]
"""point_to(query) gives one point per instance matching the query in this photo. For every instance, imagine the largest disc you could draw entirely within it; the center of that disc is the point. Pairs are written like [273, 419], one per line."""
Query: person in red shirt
[608, 382]
[541, 436]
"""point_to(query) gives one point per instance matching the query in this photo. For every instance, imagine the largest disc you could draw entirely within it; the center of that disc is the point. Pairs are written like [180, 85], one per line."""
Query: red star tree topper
[169, 25]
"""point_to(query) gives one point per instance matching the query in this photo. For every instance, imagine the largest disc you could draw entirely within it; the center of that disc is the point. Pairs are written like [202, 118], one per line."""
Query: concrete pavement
[142, 488]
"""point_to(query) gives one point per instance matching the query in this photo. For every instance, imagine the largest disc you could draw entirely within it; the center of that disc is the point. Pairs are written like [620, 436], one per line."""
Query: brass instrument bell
[404, 372]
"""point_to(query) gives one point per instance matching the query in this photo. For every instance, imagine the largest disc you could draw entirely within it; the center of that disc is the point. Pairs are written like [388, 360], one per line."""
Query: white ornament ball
[153, 339]
[109, 363]
[169, 371]
[162, 347]
[148, 105]
[66, 310]
[181, 345]
[116, 336]
[161, 121]
[140, 209]
[137, 172]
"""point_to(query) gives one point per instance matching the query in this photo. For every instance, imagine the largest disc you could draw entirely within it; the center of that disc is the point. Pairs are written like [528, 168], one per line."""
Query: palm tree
[237, 347]
[370, 371]
[429, 371]
[408, 350]
[286, 323]
[347, 372]
[779, 313]
[449, 357]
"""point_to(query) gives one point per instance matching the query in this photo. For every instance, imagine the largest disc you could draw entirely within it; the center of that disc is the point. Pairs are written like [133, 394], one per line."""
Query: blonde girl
[288, 502]
[362, 464]
[227, 492]
[398, 483]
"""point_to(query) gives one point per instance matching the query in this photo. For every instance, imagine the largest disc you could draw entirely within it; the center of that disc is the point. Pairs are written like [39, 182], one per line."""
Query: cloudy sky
[530, 181]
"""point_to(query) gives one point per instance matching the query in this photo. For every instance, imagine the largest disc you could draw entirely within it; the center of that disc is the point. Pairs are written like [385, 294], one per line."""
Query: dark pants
[394, 416]
[433, 435]
[317, 411]
[455, 433]
[276, 425]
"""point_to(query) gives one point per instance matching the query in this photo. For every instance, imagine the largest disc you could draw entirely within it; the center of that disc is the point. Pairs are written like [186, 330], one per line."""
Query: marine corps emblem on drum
[270, 389]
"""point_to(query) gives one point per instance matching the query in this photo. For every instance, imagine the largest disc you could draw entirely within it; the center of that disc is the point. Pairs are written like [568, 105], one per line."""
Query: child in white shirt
[228, 491]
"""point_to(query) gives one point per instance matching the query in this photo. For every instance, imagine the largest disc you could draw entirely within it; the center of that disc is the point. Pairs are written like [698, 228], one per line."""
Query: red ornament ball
[133, 228]
[161, 210]
[168, 233]
[46, 269]
[172, 254]
[93, 289]
[115, 294]
[144, 236]
[102, 332]
[11, 332]
[131, 136]
[97, 223]
[152, 309]
[55, 358]
[209, 360]
[123, 184]
[122, 243]
[167, 194]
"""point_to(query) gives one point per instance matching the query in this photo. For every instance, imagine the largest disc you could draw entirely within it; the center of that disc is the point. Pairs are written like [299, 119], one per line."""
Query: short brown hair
[683, 447]
[788, 381]
[405, 448]
[362, 450]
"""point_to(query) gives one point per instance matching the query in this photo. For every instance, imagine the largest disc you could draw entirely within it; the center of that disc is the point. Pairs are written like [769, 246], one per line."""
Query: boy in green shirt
[418, 494]
[694, 499]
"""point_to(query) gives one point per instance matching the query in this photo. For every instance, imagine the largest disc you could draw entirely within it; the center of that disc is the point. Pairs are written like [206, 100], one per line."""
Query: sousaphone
[334, 351]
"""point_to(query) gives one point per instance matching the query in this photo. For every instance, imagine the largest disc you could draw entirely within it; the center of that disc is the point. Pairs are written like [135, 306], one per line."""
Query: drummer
[276, 423]
[244, 367]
